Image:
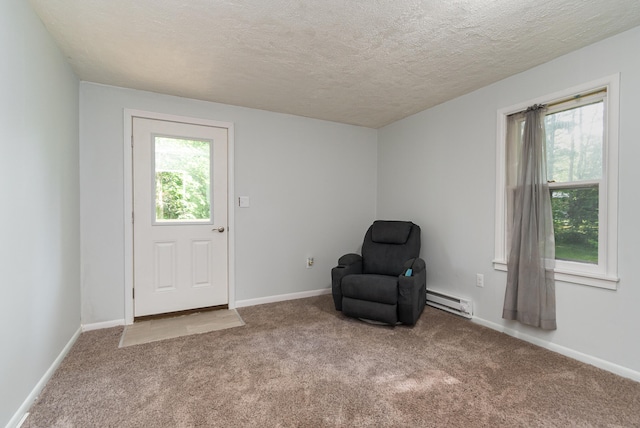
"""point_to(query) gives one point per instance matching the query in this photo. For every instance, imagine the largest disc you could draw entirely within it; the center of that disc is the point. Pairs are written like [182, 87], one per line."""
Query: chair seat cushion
[373, 288]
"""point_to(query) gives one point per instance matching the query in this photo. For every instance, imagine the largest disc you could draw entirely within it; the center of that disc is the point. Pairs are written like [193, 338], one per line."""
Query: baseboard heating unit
[446, 302]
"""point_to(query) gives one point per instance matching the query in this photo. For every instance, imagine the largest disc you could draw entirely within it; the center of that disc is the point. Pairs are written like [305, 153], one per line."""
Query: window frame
[605, 273]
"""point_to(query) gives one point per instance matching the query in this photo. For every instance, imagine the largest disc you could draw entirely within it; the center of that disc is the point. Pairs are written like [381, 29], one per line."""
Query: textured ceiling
[362, 62]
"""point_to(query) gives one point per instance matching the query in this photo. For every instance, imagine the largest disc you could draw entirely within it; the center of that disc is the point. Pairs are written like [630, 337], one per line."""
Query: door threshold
[179, 313]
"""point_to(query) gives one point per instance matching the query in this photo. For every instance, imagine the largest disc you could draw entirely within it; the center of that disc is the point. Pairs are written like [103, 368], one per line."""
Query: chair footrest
[370, 310]
[373, 288]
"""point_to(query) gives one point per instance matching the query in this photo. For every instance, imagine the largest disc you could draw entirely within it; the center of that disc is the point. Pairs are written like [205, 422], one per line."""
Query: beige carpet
[168, 328]
[302, 364]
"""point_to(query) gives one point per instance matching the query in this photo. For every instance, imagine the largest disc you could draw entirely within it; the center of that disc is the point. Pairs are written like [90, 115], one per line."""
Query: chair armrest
[350, 259]
[418, 265]
[412, 291]
[349, 264]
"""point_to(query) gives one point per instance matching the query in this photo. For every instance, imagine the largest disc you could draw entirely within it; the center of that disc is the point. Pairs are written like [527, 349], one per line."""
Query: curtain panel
[530, 291]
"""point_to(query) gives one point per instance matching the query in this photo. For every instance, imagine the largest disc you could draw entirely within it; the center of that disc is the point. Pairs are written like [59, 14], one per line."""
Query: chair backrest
[388, 245]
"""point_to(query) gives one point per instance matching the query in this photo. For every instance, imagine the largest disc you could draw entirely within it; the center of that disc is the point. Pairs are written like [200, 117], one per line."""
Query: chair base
[374, 322]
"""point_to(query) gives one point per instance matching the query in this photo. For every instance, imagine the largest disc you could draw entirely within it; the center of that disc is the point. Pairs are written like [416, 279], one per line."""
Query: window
[581, 144]
[575, 136]
[182, 176]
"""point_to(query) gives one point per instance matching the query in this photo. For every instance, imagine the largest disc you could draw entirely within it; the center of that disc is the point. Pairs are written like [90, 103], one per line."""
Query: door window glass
[182, 180]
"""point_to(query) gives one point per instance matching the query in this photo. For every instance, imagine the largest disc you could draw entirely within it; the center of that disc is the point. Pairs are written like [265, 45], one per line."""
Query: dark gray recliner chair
[375, 286]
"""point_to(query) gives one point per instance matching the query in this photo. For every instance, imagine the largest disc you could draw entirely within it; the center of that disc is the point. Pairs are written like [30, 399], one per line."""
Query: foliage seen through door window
[182, 179]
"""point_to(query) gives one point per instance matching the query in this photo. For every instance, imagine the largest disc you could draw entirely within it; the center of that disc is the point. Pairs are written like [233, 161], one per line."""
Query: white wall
[39, 218]
[438, 168]
[312, 186]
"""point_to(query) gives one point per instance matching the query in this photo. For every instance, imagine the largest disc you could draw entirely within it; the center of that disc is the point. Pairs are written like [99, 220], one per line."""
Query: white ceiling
[362, 62]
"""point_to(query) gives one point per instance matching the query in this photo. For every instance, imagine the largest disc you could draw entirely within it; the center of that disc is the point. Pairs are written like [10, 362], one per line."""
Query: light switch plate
[243, 202]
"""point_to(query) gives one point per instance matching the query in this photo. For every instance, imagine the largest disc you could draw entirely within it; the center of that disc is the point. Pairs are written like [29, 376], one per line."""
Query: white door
[180, 236]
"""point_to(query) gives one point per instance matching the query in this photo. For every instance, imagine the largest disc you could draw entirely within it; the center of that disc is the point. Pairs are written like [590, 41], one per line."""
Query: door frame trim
[129, 114]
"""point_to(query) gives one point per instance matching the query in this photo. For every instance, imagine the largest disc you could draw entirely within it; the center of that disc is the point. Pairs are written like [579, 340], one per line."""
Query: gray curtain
[530, 294]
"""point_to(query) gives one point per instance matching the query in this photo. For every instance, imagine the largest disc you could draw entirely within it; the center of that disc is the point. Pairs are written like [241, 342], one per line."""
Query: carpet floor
[302, 364]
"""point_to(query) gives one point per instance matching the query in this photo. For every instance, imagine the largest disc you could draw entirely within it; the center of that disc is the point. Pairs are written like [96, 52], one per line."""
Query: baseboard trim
[101, 325]
[567, 352]
[282, 297]
[239, 304]
[21, 414]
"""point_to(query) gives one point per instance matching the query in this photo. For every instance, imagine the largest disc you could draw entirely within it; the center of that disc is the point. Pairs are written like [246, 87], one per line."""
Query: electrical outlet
[309, 262]
[479, 280]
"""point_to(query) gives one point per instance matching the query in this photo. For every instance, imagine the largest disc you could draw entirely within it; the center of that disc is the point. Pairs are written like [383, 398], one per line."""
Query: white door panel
[180, 216]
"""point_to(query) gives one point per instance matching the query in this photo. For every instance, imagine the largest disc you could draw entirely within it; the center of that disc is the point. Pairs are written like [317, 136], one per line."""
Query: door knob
[220, 229]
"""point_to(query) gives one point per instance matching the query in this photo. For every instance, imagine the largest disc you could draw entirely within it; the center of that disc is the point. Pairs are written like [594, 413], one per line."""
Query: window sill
[592, 280]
